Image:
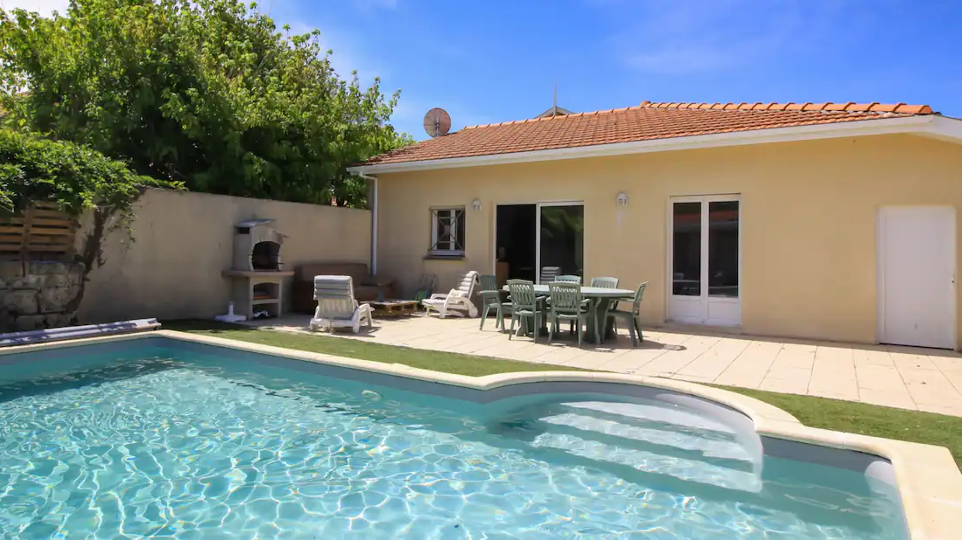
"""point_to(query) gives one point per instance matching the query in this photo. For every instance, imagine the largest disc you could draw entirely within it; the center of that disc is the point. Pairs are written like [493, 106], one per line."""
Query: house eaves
[935, 126]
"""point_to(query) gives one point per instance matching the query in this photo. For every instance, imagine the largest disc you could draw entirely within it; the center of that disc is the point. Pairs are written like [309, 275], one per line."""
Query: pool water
[180, 444]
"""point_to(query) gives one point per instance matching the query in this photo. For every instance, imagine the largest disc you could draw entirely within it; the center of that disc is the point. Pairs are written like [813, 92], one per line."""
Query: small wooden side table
[393, 308]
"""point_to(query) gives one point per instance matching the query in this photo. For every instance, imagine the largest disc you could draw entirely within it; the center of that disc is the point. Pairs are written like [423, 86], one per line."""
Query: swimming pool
[162, 437]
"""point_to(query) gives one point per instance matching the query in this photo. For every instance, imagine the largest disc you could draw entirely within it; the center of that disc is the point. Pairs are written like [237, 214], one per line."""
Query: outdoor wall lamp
[622, 199]
[476, 204]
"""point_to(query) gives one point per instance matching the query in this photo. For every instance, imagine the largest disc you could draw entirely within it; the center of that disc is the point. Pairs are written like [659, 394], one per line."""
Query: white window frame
[704, 299]
[451, 249]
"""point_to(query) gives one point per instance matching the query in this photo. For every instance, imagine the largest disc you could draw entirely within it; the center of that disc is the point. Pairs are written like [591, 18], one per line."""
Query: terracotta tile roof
[647, 121]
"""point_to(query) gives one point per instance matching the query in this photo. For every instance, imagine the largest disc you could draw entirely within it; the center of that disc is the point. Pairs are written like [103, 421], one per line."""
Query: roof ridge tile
[850, 106]
[837, 109]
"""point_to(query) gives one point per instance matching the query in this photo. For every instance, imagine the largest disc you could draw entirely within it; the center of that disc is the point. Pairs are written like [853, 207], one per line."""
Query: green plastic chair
[426, 289]
[605, 282]
[632, 318]
[524, 305]
[491, 299]
[568, 278]
[567, 304]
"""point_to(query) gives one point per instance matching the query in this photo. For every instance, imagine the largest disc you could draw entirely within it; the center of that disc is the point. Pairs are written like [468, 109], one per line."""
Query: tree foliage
[207, 92]
[77, 178]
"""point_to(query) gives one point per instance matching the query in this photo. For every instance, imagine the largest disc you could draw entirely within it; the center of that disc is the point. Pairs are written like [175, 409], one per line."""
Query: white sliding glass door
[705, 260]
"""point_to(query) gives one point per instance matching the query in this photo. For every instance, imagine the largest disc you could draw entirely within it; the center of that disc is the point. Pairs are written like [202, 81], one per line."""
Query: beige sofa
[366, 286]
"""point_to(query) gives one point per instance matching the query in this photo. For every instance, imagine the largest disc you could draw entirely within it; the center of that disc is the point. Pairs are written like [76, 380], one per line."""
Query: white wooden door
[916, 276]
[704, 260]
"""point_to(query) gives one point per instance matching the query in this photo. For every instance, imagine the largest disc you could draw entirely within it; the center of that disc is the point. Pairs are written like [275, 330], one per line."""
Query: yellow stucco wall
[808, 220]
[182, 242]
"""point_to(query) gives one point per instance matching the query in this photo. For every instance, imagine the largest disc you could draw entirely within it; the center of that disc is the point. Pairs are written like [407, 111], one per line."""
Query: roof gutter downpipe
[373, 205]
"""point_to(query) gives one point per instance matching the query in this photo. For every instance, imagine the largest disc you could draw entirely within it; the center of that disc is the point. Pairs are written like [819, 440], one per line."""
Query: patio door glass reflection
[686, 249]
[723, 249]
[561, 237]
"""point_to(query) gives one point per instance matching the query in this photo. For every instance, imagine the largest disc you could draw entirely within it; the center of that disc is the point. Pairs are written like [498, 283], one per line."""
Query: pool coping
[929, 481]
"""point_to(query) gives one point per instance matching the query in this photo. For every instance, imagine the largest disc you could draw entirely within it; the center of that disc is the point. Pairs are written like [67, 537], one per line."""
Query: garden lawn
[837, 415]
[461, 364]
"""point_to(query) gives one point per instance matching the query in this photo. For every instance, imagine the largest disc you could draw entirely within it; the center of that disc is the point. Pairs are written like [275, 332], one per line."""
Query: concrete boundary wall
[171, 268]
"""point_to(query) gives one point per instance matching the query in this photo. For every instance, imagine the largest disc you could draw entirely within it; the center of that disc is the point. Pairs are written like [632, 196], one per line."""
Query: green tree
[79, 180]
[207, 92]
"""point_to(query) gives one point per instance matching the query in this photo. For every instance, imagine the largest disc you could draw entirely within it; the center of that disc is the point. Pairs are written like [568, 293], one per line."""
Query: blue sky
[493, 61]
[496, 60]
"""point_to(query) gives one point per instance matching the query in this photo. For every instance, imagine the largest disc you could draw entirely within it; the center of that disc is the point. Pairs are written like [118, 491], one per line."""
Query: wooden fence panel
[40, 232]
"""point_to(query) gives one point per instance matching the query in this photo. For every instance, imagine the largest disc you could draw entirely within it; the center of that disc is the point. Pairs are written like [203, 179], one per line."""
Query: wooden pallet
[42, 231]
[394, 308]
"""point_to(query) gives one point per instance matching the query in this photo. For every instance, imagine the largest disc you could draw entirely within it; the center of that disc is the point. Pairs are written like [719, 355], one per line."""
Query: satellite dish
[437, 122]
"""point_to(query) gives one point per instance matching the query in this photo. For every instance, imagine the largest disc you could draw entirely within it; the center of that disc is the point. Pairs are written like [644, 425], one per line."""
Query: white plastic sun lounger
[336, 306]
[456, 301]
[548, 274]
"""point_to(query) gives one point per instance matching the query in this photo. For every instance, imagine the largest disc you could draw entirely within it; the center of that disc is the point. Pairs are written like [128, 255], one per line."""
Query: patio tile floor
[903, 377]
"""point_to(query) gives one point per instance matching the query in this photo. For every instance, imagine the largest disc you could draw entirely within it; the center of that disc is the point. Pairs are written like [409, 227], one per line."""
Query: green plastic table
[601, 299]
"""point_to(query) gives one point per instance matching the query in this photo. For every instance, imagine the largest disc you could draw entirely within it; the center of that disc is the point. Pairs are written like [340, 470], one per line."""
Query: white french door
[704, 260]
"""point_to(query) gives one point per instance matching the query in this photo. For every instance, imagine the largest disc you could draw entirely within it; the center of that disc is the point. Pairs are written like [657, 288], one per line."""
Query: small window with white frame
[447, 232]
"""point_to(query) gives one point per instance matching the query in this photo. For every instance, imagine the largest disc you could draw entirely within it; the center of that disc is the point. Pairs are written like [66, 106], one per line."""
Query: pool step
[646, 436]
[672, 418]
[666, 441]
[690, 470]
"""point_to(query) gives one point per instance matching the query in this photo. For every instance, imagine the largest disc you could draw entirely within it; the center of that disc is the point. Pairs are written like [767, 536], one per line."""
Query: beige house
[828, 221]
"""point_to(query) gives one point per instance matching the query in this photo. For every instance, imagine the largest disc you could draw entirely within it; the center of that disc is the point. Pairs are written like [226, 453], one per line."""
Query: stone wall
[34, 295]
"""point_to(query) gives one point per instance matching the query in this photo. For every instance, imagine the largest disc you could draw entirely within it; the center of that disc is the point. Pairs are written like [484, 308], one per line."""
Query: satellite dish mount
[437, 122]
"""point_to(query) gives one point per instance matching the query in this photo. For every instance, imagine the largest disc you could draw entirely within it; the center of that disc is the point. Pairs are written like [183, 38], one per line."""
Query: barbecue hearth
[257, 246]
[257, 275]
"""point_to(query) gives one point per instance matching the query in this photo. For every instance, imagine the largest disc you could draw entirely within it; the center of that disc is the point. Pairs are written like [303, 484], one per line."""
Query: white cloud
[408, 116]
[44, 7]
[696, 36]
[345, 59]
[346, 51]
